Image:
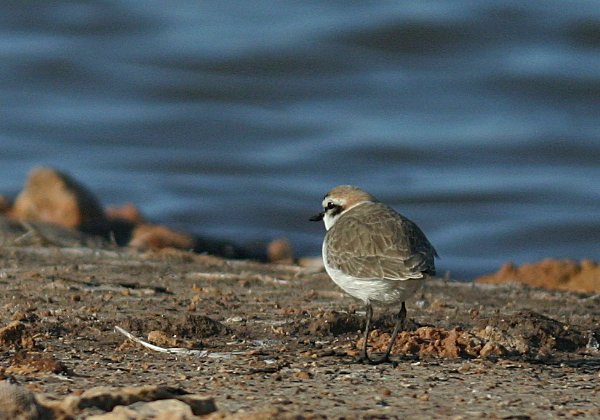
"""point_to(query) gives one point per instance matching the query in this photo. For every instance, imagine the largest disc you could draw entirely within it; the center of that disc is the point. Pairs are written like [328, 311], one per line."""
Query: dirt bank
[275, 340]
[571, 275]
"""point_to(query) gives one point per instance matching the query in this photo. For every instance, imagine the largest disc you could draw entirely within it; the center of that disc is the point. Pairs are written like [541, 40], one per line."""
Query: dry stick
[177, 350]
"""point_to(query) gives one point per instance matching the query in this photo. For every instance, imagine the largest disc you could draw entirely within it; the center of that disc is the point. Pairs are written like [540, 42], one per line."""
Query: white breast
[378, 290]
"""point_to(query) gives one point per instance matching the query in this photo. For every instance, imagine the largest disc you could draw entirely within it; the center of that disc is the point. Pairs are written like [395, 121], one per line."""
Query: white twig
[176, 350]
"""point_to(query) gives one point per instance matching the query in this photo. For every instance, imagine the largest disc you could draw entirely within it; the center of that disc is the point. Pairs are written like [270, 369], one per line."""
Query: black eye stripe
[333, 209]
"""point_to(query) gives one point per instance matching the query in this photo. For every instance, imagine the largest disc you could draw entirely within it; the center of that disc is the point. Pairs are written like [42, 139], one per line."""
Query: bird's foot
[365, 359]
[362, 358]
[380, 360]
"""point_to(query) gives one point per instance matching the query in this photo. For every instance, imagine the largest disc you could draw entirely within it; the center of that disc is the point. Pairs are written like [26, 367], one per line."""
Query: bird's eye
[330, 206]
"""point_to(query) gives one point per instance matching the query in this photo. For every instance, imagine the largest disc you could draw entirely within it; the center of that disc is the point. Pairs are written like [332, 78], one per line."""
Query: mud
[279, 341]
[537, 332]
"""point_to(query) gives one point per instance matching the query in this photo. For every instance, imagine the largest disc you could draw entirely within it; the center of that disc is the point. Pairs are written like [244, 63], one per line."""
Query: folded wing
[379, 243]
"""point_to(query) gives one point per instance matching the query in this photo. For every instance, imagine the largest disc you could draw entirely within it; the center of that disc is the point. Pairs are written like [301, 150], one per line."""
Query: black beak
[317, 217]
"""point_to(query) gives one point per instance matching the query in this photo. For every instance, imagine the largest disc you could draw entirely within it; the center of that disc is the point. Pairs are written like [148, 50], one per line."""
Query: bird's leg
[364, 357]
[399, 323]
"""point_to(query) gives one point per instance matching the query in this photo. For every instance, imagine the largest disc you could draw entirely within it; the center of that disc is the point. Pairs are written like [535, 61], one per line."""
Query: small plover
[373, 253]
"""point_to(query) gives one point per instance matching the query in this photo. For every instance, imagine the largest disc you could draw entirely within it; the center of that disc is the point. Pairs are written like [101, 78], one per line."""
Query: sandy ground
[281, 340]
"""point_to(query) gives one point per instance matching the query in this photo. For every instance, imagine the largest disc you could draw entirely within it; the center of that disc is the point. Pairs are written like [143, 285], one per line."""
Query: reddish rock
[280, 251]
[15, 336]
[156, 237]
[28, 362]
[54, 197]
[312, 263]
[127, 212]
[430, 342]
[549, 274]
[492, 349]
[523, 333]
[161, 339]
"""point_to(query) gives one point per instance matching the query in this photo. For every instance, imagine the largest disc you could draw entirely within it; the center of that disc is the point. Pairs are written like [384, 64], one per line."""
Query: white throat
[330, 220]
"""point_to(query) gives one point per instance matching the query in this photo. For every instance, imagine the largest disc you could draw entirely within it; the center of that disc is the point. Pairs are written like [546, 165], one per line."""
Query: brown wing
[373, 241]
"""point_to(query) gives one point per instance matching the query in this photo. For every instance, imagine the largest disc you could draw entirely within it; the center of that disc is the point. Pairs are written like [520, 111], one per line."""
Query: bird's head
[338, 201]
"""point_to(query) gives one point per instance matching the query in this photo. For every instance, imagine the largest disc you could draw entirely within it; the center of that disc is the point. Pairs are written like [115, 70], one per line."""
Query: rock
[524, 333]
[459, 343]
[315, 263]
[199, 404]
[54, 197]
[593, 344]
[122, 222]
[492, 349]
[162, 409]
[145, 402]
[156, 402]
[161, 339]
[550, 274]
[268, 413]
[513, 344]
[29, 317]
[127, 212]
[155, 237]
[13, 336]
[280, 251]
[107, 398]
[302, 375]
[18, 403]
[28, 362]
[50, 196]
[438, 342]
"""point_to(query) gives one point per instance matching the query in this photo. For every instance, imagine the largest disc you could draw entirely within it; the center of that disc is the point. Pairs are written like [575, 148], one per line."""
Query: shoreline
[279, 341]
[51, 198]
[256, 339]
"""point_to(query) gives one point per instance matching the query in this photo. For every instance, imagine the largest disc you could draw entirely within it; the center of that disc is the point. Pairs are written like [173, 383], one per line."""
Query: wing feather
[373, 241]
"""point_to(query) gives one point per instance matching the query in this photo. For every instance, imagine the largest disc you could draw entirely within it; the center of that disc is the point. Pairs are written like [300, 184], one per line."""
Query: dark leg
[364, 357]
[399, 323]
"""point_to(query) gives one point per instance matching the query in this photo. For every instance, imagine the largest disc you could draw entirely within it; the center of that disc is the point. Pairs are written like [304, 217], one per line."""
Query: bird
[374, 254]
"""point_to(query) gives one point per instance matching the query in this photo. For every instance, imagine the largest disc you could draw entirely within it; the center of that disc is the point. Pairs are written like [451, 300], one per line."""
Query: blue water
[478, 120]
